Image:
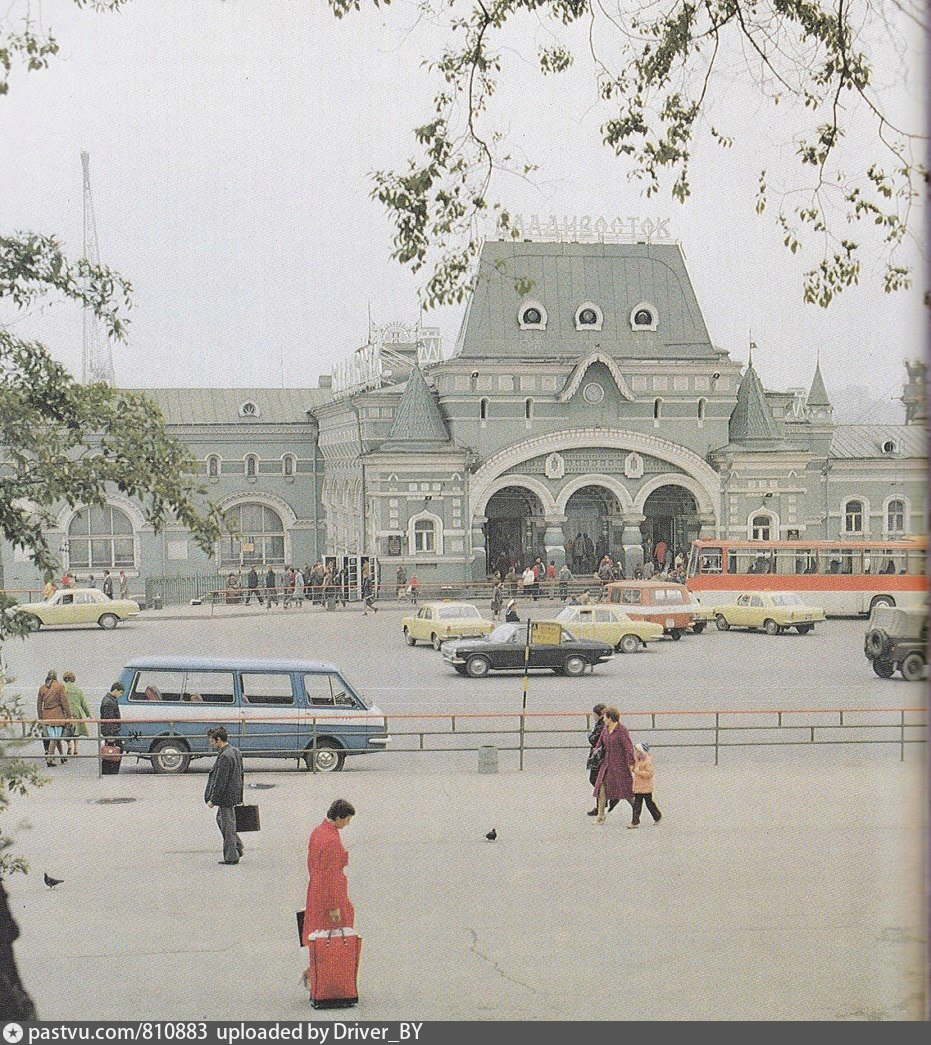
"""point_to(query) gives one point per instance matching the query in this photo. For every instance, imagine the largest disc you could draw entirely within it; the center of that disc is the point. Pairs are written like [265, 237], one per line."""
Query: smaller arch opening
[288, 465]
[657, 409]
[252, 466]
[483, 409]
[528, 409]
[213, 466]
[702, 405]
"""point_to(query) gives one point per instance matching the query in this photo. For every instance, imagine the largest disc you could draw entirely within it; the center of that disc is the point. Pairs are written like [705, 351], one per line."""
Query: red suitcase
[332, 977]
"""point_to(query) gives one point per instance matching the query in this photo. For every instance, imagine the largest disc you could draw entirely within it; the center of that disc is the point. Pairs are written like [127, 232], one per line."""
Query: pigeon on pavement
[51, 882]
[492, 835]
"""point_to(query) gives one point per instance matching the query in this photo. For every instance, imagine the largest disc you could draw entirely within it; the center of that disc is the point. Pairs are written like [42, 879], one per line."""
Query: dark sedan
[503, 650]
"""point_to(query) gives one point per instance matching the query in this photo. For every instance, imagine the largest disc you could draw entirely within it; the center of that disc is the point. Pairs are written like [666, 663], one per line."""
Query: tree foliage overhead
[663, 73]
[66, 443]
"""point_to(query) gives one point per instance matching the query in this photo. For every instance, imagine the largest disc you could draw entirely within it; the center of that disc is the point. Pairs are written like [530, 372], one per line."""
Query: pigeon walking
[51, 882]
[492, 835]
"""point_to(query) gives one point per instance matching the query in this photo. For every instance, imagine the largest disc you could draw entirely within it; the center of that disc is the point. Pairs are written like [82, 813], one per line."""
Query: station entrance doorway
[671, 516]
[514, 530]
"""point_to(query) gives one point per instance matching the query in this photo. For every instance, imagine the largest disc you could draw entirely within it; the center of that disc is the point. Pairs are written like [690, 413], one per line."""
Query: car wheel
[574, 666]
[171, 756]
[877, 643]
[699, 626]
[675, 634]
[882, 600]
[770, 627]
[629, 644]
[803, 629]
[108, 621]
[436, 642]
[409, 639]
[31, 621]
[721, 621]
[478, 667]
[883, 668]
[912, 667]
[328, 758]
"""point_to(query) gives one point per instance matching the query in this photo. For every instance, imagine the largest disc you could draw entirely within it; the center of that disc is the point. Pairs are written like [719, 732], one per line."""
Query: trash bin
[488, 759]
[157, 602]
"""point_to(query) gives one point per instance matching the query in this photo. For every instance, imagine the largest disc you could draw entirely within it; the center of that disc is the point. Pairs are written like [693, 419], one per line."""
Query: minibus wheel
[329, 757]
[171, 756]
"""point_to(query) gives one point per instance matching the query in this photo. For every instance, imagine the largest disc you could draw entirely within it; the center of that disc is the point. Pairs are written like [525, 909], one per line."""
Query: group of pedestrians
[62, 710]
[618, 768]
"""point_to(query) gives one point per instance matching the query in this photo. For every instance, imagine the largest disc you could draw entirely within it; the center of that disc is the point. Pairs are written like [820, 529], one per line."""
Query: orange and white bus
[842, 577]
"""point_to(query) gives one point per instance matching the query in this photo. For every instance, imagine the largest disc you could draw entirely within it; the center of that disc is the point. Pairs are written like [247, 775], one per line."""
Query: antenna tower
[97, 358]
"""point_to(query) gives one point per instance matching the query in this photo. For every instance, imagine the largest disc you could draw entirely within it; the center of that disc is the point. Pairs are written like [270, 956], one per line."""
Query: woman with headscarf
[511, 616]
[328, 905]
[614, 780]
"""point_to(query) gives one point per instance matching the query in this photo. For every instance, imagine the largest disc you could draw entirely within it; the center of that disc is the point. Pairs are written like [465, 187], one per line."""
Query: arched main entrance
[671, 516]
[593, 528]
[514, 530]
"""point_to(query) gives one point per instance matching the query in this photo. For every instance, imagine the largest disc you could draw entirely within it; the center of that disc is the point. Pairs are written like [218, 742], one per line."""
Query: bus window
[709, 560]
[743, 560]
[915, 562]
[892, 560]
[830, 560]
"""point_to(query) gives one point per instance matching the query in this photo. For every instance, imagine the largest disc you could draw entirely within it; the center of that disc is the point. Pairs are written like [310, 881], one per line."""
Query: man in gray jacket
[224, 791]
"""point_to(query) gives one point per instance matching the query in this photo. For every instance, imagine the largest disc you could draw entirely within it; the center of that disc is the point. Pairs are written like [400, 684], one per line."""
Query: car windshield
[565, 615]
[787, 598]
[458, 613]
[505, 632]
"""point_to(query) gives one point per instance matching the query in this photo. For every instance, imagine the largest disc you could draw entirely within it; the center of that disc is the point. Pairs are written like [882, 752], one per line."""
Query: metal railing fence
[521, 732]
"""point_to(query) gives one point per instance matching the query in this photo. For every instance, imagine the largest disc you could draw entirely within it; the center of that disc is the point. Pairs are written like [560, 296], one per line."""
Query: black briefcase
[247, 819]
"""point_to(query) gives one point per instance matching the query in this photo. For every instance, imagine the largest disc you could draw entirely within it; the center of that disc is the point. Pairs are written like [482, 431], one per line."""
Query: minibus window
[208, 687]
[272, 689]
[157, 686]
[341, 695]
[319, 691]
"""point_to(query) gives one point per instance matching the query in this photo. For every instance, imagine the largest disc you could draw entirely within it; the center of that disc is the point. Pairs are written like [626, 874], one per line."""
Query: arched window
[252, 466]
[248, 409]
[528, 409]
[424, 537]
[643, 317]
[895, 516]
[483, 410]
[657, 409]
[890, 446]
[213, 466]
[531, 316]
[588, 316]
[761, 528]
[101, 538]
[254, 536]
[853, 517]
[702, 404]
[288, 465]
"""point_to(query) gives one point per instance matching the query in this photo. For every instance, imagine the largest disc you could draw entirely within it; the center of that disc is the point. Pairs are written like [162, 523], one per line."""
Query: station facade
[584, 410]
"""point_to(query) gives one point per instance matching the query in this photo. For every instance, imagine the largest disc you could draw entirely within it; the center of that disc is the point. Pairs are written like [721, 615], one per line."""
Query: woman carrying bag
[614, 780]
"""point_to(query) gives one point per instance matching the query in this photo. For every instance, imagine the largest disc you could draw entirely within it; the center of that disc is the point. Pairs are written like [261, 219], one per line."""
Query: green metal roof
[818, 394]
[562, 276]
[418, 418]
[222, 406]
[752, 418]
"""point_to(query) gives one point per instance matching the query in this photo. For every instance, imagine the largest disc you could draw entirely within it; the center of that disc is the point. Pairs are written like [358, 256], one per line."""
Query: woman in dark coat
[594, 735]
[614, 780]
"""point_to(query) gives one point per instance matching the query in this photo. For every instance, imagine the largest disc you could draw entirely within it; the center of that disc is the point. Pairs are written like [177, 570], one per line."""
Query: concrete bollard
[488, 759]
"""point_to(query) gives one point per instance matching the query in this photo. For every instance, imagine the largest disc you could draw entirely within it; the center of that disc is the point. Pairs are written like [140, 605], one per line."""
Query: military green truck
[897, 639]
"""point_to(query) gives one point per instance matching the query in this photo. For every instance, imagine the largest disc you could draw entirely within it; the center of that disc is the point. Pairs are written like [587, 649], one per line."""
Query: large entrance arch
[671, 516]
[514, 528]
[593, 527]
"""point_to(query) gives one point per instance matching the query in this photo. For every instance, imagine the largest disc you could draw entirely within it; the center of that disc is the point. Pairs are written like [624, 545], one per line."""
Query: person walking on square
[594, 735]
[643, 785]
[299, 589]
[107, 584]
[77, 703]
[252, 584]
[614, 780]
[271, 592]
[497, 599]
[368, 591]
[54, 711]
[510, 615]
[224, 791]
[328, 905]
[124, 585]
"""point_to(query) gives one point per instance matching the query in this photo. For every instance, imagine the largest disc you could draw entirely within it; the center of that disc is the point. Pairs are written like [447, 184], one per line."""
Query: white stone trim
[865, 527]
[705, 481]
[285, 512]
[210, 457]
[906, 516]
[437, 535]
[581, 369]
[624, 500]
[125, 504]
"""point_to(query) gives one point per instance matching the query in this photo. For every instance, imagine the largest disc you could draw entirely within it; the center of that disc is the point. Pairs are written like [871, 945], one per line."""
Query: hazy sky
[230, 146]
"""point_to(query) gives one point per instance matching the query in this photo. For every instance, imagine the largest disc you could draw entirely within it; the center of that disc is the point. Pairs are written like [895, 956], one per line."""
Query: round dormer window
[643, 317]
[249, 409]
[890, 446]
[588, 317]
[532, 317]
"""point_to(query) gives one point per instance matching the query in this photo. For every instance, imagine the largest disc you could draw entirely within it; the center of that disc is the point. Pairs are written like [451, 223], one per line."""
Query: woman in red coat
[614, 780]
[328, 905]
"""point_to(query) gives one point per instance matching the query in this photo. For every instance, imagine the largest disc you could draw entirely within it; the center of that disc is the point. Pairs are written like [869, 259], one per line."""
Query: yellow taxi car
[609, 624]
[76, 606]
[702, 616]
[436, 622]
[774, 612]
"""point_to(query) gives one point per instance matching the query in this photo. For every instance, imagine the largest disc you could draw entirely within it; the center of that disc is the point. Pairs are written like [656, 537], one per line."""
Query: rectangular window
[158, 686]
[709, 560]
[208, 687]
[327, 691]
[272, 689]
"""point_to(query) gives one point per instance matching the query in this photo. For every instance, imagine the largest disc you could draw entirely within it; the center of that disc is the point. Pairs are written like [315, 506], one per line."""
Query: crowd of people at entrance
[322, 584]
